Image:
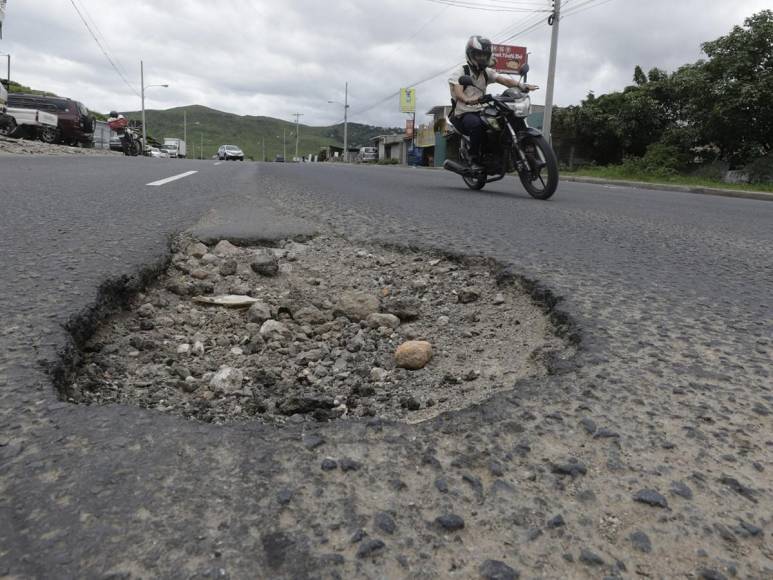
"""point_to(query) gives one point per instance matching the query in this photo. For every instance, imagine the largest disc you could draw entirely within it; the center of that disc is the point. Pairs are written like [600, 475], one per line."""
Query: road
[671, 294]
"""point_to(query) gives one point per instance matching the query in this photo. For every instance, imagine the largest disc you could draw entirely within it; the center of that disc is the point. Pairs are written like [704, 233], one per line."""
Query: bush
[760, 170]
[660, 160]
[388, 161]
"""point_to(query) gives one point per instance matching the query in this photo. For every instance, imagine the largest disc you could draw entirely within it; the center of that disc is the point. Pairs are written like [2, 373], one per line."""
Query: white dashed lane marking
[173, 178]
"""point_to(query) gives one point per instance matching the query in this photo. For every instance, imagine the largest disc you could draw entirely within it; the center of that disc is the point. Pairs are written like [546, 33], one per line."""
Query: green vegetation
[389, 161]
[621, 172]
[14, 87]
[215, 128]
[714, 111]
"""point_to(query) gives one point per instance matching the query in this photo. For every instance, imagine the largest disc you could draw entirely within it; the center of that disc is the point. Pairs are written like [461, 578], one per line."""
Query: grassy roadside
[618, 173]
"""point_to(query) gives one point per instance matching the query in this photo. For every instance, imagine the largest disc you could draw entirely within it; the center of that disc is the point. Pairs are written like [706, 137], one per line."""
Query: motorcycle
[509, 145]
[131, 142]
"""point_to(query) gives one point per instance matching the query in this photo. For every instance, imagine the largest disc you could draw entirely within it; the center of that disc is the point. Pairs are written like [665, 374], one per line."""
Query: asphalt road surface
[655, 448]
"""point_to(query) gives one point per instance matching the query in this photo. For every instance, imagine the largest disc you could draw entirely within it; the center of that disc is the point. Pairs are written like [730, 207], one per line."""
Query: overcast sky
[278, 57]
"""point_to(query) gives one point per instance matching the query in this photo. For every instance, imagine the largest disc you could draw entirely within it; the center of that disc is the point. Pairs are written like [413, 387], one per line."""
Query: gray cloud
[274, 58]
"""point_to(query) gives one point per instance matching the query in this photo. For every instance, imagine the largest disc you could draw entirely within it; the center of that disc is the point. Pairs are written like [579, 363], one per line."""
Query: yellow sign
[407, 100]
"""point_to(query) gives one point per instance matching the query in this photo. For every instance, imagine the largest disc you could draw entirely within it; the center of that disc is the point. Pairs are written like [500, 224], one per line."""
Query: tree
[638, 76]
[735, 111]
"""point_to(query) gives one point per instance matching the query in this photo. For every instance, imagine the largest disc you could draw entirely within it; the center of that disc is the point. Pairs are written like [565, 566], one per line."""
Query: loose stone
[468, 295]
[651, 497]
[413, 355]
[590, 558]
[225, 248]
[641, 542]
[227, 379]
[356, 306]
[450, 522]
[264, 264]
[370, 548]
[385, 522]
[497, 570]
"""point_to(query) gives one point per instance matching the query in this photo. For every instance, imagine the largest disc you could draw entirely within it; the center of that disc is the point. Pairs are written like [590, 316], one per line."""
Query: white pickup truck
[31, 124]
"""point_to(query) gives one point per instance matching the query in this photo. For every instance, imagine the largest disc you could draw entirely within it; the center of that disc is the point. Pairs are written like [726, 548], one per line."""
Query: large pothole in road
[310, 332]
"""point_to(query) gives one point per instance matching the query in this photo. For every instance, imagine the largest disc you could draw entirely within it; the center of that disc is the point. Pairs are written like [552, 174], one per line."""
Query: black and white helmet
[478, 52]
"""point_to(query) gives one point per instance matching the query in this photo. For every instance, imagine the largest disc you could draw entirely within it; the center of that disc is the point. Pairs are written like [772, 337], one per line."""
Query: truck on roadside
[31, 124]
[175, 147]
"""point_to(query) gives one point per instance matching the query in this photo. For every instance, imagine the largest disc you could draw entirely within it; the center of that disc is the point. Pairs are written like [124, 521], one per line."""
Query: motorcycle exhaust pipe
[456, 167]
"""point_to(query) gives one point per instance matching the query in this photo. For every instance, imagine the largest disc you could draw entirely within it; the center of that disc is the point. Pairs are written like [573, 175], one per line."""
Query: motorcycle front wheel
[540, 179]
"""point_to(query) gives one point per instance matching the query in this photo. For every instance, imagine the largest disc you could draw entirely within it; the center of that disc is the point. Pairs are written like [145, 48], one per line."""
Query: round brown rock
[414, 354]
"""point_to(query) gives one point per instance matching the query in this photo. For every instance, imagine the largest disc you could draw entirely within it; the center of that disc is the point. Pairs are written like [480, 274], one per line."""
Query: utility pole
[284, 143]
[297, 131]
[142, 86]
[201, 146]
[264, 148]
[185, 127]
[346, 123]
[554, 20]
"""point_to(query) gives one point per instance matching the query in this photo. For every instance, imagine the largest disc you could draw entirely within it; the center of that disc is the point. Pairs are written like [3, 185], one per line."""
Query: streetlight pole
[142, 96]
[284, 143]
[297, 131]
[554, 20]
[346, 123]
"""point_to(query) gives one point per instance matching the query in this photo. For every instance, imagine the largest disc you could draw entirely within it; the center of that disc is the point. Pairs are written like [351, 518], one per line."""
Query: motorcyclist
[467, 99]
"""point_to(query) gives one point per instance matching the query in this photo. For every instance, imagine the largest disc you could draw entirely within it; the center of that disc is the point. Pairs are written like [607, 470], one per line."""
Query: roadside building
[392, 147]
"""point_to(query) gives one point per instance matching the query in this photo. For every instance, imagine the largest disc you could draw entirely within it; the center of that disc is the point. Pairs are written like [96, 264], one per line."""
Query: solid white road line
[218, 163]
[173, 178]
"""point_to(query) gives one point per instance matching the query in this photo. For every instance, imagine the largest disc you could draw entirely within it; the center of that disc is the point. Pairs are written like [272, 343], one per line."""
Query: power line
[102, 48]
[527, 28]
[101, 36]
[488, 7]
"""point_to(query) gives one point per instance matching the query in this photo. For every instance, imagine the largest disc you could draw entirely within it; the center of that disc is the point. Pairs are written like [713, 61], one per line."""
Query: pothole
[311, 333]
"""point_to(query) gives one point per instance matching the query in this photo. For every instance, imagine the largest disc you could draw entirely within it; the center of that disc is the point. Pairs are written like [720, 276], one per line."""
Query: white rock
[225, 248]
[237, 351]
[499, 299]
[227, 379]
[259, 313]
[197, 250]
[184, 349]
[210, 259]
[443, 320]
[377, 320]
[378, 375]
[274, 330]
[198, 348]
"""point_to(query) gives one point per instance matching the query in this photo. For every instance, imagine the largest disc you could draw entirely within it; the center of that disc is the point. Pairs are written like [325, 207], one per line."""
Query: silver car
[227, 152]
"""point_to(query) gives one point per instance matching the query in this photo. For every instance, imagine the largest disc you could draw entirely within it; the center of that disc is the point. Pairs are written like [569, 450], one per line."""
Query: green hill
[214, 128]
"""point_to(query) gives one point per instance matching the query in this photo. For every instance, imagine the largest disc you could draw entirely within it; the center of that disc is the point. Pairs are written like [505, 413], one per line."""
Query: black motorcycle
[509, 145]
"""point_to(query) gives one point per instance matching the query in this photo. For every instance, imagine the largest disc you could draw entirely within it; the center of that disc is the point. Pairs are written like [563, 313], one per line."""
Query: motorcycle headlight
[521, 107]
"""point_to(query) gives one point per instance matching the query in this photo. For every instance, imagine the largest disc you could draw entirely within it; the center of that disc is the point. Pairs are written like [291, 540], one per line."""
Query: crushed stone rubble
[316, 331]
[10, 146]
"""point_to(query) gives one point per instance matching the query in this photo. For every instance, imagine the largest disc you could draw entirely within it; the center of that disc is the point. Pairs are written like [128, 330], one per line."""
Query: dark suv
[76, 124]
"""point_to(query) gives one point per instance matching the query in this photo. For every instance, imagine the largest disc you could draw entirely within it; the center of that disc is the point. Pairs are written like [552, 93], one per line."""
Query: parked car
[5, 119]
[157, 153]
[279, 159]
[226, 152]
[76, 124]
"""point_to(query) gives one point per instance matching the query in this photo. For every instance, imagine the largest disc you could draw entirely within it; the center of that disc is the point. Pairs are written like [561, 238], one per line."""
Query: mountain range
[258, 137]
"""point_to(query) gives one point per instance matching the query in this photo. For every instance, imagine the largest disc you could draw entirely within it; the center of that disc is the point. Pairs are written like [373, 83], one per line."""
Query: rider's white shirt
[477, 90]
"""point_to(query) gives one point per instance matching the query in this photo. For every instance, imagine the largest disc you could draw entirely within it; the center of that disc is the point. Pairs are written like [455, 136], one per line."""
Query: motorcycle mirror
[466, 81]
[524, 69]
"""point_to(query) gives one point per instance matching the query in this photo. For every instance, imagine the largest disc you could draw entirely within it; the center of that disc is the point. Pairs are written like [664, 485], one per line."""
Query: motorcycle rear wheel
[541, 179]
[475, 182]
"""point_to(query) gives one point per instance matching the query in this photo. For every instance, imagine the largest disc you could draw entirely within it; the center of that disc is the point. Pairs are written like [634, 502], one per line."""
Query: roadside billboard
[407, 100]
[509, 58]
[409, 129]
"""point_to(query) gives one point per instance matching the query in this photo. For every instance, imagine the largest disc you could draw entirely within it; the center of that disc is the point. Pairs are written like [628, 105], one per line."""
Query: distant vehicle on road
[227, 152]
[75, 122]
[367, 155]
[279, 159]
[174, 147]
[157, 153]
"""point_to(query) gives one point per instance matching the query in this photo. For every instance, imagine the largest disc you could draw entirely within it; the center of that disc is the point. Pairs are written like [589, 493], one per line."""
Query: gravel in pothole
[314, 335]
